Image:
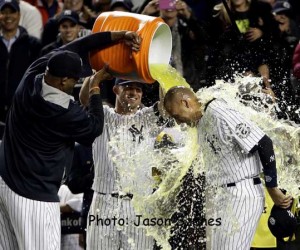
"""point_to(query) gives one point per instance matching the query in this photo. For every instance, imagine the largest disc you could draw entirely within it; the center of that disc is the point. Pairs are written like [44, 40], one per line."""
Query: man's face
[281, 18]
[68, 31]
[69, 85]
[130, 96]
[10, 18]
[75, 5]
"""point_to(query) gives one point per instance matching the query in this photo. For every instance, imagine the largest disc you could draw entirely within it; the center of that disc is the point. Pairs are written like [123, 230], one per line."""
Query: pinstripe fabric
[226, 138]
[122, 136]
[113, 235]
[219, 128]
[239, 208]
[120, 129]
[28, 224]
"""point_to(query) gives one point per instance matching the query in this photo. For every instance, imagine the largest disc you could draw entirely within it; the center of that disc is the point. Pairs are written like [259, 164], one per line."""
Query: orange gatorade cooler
[155, 47]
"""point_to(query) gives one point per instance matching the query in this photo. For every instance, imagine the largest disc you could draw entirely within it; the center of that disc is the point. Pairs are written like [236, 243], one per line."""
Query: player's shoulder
[145, 110]
[107, 108]
[146, 114]
[219, 103]
[217, 106]
[110, 113]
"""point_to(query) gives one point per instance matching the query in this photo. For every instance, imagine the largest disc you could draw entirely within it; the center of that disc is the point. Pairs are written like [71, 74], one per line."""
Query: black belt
[122, 196]
[256, 180]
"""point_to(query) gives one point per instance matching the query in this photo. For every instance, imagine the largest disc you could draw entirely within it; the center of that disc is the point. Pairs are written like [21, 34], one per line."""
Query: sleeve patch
[242, 130]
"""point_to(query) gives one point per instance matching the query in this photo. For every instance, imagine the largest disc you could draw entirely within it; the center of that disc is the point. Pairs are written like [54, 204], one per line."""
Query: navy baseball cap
[123, 82]
[282, 222]
[281, 6]
[127, 4]
[65, 64]
[11, 3]
[68, 15]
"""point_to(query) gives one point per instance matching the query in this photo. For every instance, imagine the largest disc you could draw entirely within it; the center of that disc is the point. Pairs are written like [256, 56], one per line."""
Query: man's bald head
[182, 104]
[176, 94]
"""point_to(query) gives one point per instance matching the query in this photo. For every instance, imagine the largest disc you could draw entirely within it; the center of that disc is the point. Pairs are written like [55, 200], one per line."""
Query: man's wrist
[117, 35]
[272, 186]
[94, 90]
[266, 82]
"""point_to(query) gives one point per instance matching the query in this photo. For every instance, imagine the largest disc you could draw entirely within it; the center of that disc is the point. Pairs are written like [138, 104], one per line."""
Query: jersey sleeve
[243, 131]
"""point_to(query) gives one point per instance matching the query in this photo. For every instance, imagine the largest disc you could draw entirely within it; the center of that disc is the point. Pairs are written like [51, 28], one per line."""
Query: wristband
[91, 89]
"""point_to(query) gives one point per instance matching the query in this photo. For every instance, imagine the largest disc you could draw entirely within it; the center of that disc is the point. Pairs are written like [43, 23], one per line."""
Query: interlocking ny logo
[136, 132]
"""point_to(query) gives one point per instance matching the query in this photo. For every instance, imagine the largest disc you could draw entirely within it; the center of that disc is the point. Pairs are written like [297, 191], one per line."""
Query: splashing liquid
[284, 133]
[167, 76]
[162, 203]
[173, 166]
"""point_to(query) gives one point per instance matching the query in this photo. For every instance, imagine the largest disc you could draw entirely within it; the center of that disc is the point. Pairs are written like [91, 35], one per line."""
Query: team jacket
[39, 138]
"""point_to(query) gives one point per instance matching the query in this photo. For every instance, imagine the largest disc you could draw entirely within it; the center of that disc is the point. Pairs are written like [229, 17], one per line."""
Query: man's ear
[185, 103]
[63, 80]
[116, 90]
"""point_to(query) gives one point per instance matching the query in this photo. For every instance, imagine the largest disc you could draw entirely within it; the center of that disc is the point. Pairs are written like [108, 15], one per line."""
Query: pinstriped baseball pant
[27, 224]
[239, 208]
[108, 232]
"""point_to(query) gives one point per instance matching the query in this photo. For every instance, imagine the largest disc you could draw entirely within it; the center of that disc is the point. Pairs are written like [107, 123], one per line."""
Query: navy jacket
[39, 137]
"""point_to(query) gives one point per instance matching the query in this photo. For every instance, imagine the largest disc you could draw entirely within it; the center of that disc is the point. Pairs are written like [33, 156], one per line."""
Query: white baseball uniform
[18, 231]
[235, 196]
[122, 135]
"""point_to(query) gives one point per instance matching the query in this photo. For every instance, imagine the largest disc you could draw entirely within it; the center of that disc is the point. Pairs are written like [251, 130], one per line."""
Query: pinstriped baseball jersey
[226, 139]
[123, 134]
[114, 155]
[229, 138]
[26, 223]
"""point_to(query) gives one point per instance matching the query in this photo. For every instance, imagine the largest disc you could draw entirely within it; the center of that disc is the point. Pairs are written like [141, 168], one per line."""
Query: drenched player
[234, 150]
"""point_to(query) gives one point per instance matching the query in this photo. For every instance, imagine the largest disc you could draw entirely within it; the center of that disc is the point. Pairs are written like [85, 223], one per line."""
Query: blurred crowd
[258, 37]
[211, 39]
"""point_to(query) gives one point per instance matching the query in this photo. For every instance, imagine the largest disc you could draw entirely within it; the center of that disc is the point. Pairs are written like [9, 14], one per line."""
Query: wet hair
[171, 96]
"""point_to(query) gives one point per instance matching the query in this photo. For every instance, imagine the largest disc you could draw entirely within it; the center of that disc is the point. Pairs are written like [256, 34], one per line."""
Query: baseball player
[234, 150]
[42, 126]
[127, 128]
